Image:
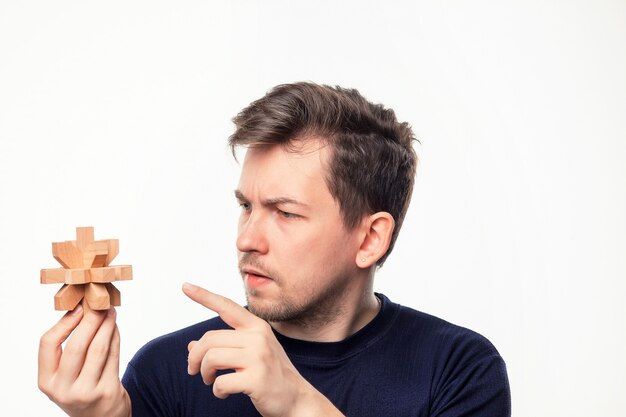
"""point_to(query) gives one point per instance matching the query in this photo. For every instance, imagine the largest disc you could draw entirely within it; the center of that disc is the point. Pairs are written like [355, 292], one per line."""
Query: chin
[269, 311]
[265, 313]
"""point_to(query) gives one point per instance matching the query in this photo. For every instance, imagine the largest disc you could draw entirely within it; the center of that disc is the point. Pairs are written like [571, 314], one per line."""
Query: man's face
[295, 255]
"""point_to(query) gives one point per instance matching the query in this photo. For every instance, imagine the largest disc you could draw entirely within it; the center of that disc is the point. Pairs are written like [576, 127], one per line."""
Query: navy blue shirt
[403, 363]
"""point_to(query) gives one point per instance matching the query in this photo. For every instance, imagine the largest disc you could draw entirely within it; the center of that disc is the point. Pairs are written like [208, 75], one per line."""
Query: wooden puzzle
[86, 274]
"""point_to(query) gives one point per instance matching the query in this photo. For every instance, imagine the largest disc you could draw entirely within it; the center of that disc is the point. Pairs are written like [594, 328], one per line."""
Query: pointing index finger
[232, 313]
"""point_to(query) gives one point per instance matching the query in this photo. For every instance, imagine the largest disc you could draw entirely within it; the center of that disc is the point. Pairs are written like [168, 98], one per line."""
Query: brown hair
[373, 163]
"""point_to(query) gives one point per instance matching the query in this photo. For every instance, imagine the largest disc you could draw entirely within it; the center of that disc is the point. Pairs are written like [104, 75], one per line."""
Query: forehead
[274, 171]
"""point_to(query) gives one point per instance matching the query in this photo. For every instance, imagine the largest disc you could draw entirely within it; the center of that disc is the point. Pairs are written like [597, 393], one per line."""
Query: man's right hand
[83, 379]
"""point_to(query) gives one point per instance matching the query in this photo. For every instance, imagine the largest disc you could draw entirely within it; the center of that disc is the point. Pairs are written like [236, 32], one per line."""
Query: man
[324, 187]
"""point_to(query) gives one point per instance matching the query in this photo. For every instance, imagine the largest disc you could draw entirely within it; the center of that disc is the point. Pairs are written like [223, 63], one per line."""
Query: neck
[347, 313]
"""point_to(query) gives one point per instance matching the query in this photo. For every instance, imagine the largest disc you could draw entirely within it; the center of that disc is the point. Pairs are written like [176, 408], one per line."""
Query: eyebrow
[273, 201]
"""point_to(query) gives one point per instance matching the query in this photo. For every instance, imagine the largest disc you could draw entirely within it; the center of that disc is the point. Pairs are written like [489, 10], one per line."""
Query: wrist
[312, 403]
[125, 409]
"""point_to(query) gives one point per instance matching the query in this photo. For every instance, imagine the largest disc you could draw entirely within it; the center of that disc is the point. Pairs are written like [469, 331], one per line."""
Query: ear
[378, 229]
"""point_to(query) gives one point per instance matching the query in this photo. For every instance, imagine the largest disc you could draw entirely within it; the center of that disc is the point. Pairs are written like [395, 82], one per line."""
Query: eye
[245, 206]
[288, 215]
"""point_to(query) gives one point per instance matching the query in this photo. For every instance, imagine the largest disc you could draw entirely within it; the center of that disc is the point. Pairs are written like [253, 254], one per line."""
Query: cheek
[320, 248]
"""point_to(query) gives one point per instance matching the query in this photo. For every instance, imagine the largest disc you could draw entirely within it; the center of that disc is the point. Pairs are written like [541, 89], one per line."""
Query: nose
[251, 235]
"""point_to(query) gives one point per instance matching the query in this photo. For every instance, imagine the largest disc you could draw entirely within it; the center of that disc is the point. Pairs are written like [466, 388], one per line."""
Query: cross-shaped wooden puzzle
[86, 274]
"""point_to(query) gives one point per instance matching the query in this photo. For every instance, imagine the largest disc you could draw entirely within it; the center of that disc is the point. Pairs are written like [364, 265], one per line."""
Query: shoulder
[465, 369]
[438, 337]
[156, 378]
[446, 350]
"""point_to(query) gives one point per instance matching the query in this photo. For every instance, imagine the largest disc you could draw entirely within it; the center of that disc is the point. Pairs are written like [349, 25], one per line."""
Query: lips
[255, 278]
[255, 272]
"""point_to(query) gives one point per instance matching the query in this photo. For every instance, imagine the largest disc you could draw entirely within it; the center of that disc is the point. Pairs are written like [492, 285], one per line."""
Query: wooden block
[97, 296]
[65, 276]
[52, 276]
[95, 254]
[114, 294]
[68, 297]
[123, 272]
[86, 273]
[114, 249]
[111, 273]
[77, 276]
[68, 254]
[105, 274]
[84, 236]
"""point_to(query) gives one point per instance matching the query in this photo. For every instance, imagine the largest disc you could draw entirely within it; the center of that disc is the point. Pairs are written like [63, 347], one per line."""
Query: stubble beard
[315, 308]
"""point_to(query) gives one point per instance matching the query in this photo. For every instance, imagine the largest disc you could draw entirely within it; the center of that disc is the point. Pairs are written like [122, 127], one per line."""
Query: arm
[475, 388]
[83, 379]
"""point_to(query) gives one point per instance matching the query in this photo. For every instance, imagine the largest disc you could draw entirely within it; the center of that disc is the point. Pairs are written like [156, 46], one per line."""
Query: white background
[115, 114]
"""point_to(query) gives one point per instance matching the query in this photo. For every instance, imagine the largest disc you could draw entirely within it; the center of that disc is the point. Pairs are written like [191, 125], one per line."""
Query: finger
[98, 351]
[50, 344]
[224, 338]
[219, 359]
[210, 340]
[232, 313]
[228, 384]
[75, 351]
[111, 371]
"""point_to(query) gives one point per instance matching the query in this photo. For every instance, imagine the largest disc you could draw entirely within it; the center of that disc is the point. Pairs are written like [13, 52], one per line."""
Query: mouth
[255, 278]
